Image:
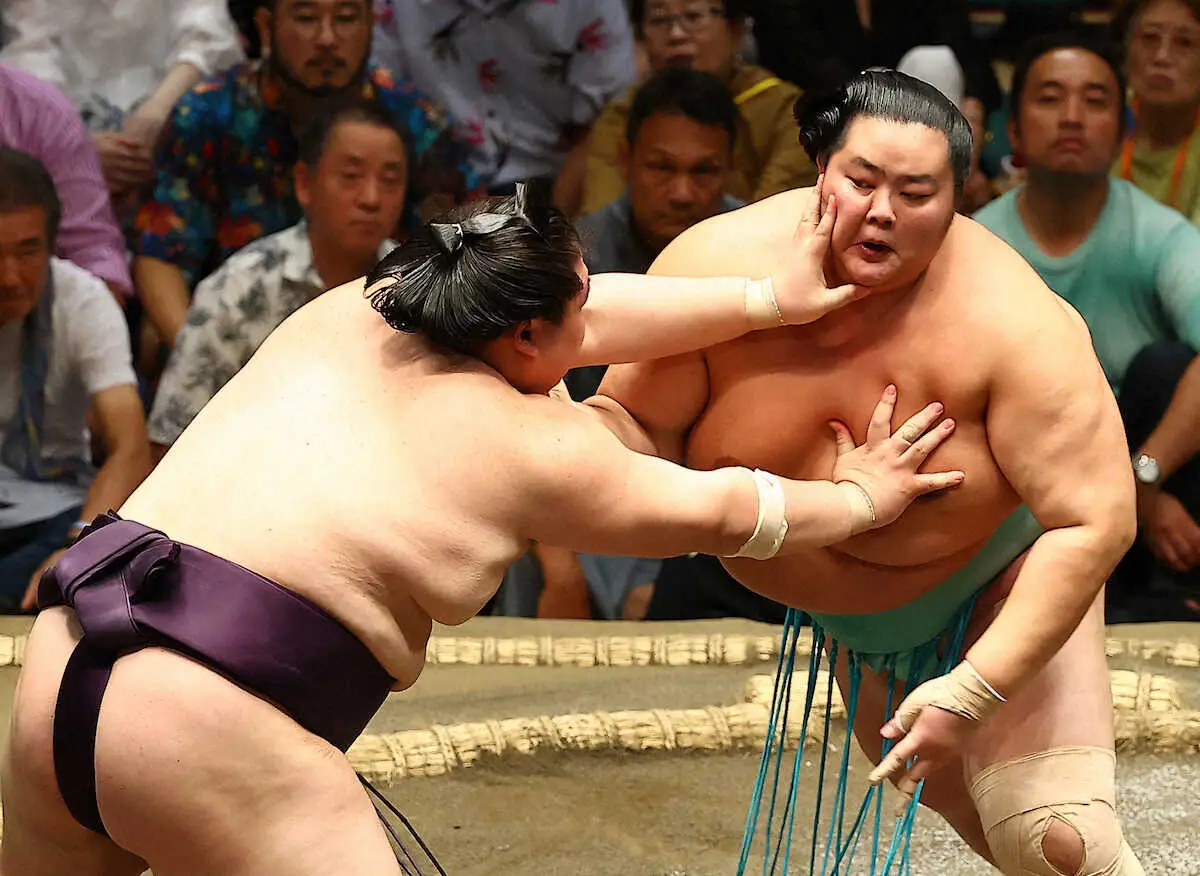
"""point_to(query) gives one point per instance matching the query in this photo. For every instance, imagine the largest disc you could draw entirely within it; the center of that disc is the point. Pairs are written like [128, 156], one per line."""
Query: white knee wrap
[1019, 800]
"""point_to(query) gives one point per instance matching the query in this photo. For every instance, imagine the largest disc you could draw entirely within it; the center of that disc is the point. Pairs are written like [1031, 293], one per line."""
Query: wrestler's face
[318, 46]
[895, 201]
[24, 261]
[354, 195]
[690, 33]
[1164, 55]
[1068, 121]
[673, 173]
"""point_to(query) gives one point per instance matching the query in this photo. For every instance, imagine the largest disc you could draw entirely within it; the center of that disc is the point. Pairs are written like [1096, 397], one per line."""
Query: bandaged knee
[1020, 802]
[771, 527]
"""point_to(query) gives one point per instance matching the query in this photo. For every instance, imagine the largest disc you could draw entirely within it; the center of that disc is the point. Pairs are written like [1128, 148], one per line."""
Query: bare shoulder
[736, 242]
[1005, 294]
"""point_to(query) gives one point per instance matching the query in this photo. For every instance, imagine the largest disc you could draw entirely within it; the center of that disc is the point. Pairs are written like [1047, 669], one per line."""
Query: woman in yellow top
[1161, 156]
[707, 36]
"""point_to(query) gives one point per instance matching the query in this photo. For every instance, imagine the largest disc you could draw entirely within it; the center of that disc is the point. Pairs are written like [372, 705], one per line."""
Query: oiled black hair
[479, 270]
[825, 118]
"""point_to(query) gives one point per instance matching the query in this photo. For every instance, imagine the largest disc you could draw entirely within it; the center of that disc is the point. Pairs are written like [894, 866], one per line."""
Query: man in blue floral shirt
[224, 164]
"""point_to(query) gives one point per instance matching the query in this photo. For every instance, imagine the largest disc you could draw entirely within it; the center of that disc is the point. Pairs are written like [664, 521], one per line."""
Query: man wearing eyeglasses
[224, 165]
[706, 36]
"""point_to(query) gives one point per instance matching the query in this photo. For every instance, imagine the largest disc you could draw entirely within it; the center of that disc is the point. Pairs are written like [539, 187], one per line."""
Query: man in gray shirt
[677, 151]
[64, 350]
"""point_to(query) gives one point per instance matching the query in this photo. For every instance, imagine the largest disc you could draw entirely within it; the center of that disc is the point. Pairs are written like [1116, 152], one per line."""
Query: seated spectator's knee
[1051, 814]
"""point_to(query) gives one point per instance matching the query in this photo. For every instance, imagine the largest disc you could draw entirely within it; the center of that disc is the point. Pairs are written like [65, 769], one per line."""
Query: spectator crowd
[177, 177]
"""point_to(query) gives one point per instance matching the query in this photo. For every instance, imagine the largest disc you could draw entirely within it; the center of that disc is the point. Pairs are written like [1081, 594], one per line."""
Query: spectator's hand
[144, 124]
[30, 601]
[801, 292]
[126, 163]
[1169, 531]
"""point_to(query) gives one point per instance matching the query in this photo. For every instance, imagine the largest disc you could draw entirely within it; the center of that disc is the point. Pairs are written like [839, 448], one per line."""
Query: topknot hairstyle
[882, 94]
[479, 270]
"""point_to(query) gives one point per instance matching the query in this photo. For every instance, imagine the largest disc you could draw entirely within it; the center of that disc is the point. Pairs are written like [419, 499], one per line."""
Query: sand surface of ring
[680, 813]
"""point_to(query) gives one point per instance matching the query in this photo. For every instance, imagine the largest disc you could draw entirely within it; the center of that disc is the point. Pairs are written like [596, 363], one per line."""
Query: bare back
[353, 465]
[769, 396]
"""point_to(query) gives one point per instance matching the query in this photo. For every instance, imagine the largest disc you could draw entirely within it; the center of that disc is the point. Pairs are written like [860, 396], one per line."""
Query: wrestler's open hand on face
[800, 287]
[887, 465]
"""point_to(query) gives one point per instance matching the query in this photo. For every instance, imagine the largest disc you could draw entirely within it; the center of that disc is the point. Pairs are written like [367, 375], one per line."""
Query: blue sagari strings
[841, 840]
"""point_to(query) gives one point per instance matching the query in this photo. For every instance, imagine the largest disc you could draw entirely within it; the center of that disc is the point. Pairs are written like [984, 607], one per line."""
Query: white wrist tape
[761, 306]
[771, 527]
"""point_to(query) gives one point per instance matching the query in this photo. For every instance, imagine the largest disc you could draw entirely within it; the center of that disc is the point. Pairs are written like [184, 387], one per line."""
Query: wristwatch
[1145, 469]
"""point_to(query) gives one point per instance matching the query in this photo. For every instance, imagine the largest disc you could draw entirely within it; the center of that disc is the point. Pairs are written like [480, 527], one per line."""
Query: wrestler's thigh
[1067, 703]
[40, 838]
[200, 777]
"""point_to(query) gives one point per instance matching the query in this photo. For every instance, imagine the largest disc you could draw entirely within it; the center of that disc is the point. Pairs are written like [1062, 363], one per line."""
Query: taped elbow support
[771, 527]
[1020, 800]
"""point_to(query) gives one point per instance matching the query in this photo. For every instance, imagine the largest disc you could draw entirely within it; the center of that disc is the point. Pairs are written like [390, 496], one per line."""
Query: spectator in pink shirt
[38, 119]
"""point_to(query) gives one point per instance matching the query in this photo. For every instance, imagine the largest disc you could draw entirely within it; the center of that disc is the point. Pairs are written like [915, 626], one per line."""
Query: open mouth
[875, 248]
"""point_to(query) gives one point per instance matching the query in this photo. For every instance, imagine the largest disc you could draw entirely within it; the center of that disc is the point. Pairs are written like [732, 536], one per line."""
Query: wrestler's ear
[525, 336]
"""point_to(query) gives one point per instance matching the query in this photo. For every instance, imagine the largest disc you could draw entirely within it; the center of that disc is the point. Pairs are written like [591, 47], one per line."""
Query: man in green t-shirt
[1131, 267]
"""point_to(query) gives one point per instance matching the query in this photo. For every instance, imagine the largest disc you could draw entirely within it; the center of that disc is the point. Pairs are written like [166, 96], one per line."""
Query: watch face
[1145, 468]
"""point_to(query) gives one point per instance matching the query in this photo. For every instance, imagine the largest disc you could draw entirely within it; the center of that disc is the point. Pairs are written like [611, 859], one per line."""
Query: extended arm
[1054, 429]
[635, 317]
[631, 317]
[590, 493]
